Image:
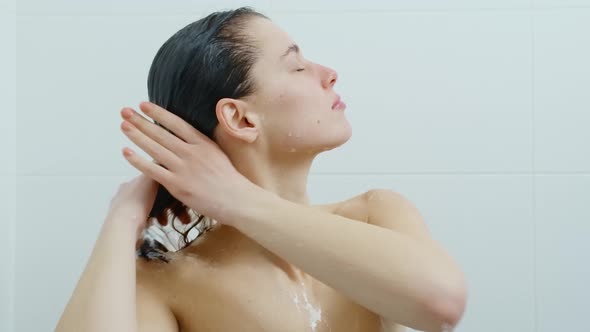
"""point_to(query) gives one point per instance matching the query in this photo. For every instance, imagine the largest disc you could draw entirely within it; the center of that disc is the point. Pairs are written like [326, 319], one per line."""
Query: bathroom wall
[7, 160]
[477, 111]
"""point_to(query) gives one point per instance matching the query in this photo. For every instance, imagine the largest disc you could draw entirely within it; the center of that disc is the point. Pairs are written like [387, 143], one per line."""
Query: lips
[336, 101]
[338, 104]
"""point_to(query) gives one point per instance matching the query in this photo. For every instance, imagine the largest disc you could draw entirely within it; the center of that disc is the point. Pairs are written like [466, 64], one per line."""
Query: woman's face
[294, 98]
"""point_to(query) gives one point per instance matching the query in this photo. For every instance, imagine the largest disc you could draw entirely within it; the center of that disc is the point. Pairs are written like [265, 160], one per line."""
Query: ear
[235, 120]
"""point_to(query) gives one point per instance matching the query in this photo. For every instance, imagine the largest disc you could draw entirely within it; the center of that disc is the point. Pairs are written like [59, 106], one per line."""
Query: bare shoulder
[354, 207]
[392, 210]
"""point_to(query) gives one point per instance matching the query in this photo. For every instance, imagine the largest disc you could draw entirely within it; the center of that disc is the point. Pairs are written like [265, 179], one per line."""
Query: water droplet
[292, 150]
[290, 134]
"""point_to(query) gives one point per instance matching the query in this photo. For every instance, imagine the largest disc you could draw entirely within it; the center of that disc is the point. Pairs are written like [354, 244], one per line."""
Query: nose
[329, 77]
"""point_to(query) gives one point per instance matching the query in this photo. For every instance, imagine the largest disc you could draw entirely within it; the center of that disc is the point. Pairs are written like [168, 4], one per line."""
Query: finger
[151, 147]
[172, 122]
[153, 131]
[148, 168]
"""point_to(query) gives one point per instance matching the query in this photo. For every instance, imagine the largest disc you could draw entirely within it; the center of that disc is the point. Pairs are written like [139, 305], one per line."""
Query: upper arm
[153, 314]
[388, 209]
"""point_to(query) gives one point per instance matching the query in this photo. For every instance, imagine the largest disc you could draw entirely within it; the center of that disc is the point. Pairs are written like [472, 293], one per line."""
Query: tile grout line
[13, 235]
[533, 172]
[12, 281]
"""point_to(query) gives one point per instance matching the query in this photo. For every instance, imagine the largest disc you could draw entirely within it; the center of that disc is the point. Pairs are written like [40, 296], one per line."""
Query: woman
[244, 115]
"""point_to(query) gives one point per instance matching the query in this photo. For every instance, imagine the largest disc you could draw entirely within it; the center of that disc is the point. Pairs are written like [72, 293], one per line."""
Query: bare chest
[251, 295]
[250, 300]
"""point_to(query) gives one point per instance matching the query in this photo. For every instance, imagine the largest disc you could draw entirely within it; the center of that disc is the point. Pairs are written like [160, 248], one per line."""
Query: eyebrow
[291, 48]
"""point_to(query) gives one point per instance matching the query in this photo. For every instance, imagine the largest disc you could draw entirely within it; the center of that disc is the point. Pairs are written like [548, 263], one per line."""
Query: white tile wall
[7, 7]
[80, 71]
[7, 161]
[462, 106]
[7, 93]
[7, 206]
[59, 218]
[562, 85]
[562, 217]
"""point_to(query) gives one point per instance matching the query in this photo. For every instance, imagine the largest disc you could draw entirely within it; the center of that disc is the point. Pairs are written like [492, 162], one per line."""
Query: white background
[477, 111]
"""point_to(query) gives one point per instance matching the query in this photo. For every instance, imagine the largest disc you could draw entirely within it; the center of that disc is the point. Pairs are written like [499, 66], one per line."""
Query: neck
[285, 176]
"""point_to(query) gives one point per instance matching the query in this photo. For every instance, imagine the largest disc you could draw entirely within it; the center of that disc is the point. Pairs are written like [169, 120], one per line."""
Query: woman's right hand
[133, 201]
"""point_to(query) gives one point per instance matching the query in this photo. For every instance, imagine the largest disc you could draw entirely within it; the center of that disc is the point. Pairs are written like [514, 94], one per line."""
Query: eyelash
[301, 69]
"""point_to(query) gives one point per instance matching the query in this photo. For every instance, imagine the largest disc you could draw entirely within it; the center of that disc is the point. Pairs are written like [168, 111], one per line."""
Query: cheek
[295, 109]
[292, 103]
[287, 99]
[294, 93]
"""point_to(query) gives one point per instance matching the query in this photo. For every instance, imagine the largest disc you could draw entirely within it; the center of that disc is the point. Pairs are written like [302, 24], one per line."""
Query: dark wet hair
[205, 61]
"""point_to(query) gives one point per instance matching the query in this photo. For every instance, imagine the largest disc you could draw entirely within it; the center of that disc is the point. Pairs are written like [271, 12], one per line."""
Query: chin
[337, 140]
[345, 134]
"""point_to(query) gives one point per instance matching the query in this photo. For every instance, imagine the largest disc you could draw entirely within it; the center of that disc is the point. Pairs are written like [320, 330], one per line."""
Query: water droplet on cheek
[292, 150]
[290, 134]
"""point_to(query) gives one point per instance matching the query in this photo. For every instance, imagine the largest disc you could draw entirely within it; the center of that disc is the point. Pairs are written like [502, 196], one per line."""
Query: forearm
[104, 298]
[387, 272]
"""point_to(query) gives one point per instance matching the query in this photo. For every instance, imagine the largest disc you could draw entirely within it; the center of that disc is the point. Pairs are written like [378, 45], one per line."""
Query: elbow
[441, 312]
[449, 308]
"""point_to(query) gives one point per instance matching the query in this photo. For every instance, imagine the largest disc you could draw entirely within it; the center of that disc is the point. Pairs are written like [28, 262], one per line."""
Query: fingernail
[146, 105]
[127, 152]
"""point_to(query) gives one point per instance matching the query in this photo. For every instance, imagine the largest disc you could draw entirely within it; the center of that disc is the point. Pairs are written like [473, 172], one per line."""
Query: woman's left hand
[196, 171]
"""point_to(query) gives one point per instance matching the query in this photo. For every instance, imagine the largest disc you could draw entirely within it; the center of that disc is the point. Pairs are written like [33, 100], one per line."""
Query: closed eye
[301, 69]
